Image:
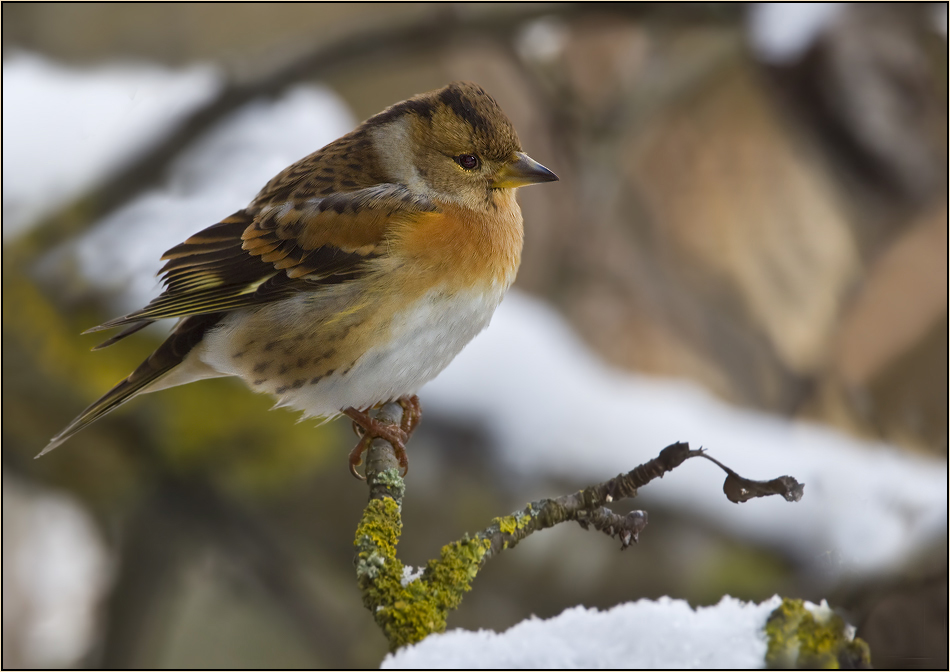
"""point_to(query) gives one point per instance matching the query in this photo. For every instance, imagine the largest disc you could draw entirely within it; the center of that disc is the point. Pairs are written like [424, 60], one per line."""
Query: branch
[409, 608]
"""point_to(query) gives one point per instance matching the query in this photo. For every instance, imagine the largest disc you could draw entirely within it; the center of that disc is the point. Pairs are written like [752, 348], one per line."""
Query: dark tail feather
[136, 326]
[169, 354]
[118, 395]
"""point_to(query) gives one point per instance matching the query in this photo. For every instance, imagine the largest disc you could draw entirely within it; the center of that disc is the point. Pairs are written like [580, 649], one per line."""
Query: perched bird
[355, 275]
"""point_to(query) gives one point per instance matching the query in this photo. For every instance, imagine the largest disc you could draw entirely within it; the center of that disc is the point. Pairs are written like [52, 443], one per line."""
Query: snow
[645, 634]
[410, 574]
[55, 571]
[542, 40]
[65, 128]
[780, 32]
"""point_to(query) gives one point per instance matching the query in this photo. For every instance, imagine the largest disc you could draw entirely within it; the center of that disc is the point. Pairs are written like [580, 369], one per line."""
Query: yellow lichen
[506, 524]
[800, 639]
[408, 613]
[450, 577]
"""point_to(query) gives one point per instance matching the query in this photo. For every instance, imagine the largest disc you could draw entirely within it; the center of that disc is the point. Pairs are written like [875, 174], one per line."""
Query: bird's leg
[411, 413]
[374, 429]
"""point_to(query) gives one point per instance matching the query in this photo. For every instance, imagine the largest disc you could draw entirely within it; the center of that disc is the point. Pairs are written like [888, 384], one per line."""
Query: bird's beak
[522, 171]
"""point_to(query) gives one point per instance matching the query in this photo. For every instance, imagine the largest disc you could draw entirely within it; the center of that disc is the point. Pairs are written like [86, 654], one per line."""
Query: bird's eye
[467, 161]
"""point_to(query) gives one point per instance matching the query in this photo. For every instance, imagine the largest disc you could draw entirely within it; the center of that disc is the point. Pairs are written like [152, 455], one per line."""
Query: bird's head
[454, 144]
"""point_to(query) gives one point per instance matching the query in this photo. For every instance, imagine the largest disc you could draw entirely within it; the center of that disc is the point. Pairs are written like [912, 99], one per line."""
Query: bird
[354, 276]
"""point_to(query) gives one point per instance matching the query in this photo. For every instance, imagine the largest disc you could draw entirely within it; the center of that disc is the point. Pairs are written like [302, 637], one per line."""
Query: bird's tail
[169, 355]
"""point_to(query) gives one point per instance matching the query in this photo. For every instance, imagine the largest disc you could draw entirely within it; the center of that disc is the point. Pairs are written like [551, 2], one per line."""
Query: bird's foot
[369, 428]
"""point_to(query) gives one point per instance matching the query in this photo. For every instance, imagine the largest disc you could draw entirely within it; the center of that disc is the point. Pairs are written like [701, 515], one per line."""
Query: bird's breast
[462, 248]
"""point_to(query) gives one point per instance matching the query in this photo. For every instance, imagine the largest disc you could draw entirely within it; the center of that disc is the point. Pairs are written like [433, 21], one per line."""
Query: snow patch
[781, 32]
[645, 634]
[65, 129]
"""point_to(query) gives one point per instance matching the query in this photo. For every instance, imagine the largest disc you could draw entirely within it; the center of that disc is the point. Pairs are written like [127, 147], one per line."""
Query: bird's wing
[282, 249]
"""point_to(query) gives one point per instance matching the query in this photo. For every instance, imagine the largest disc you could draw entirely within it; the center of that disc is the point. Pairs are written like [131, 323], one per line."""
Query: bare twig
[381, 458]
[739, 489]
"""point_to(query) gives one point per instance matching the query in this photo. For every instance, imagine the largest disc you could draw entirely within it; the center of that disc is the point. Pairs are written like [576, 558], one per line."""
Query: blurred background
[751, 224]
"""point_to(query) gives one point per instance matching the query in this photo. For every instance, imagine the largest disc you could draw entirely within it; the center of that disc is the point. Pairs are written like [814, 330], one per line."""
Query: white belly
[422, 340]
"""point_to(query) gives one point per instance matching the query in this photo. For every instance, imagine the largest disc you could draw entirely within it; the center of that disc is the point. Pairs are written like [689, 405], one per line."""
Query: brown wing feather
[347, 164]
[280, 250]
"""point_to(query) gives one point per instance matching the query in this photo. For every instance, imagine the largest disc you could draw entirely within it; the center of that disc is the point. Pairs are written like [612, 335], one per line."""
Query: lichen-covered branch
[409, 608]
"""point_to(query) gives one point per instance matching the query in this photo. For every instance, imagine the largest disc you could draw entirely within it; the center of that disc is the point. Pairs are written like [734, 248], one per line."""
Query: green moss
[800, 638]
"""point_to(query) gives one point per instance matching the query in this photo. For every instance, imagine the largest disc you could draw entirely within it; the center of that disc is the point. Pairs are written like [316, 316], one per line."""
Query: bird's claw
[356, 455]
[369, 428]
